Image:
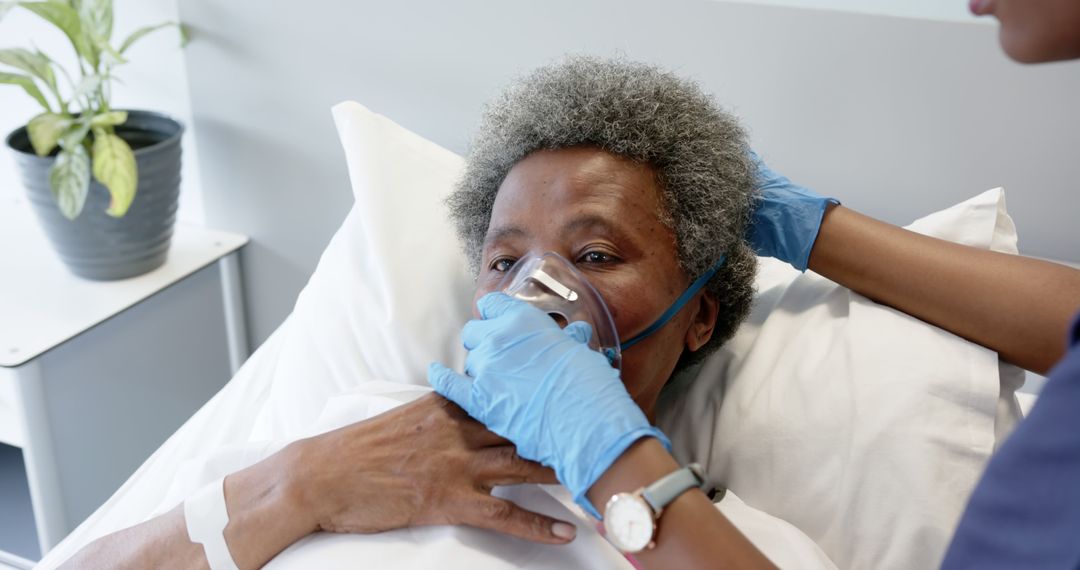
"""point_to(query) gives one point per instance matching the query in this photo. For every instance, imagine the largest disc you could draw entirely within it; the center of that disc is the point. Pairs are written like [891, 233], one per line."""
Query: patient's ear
[704, 321]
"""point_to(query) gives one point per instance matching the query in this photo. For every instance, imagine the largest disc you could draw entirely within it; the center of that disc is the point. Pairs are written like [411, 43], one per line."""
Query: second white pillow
[862, 426]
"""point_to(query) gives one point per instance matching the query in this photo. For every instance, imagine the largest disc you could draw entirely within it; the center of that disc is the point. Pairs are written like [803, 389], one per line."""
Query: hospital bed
[847, 434]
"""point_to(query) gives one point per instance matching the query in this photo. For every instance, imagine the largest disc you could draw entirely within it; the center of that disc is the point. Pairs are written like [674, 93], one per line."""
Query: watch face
[629, 522]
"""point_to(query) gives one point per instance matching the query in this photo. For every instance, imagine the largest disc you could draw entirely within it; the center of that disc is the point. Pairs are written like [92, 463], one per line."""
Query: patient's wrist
[301, 492]
[266, 507]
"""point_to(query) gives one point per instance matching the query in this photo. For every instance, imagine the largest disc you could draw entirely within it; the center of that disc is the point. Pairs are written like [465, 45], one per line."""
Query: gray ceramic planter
[96, 245]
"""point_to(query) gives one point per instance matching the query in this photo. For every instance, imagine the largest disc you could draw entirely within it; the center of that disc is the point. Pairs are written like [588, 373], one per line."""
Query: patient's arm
[1017, 306]
[424, 463]
[265, 517]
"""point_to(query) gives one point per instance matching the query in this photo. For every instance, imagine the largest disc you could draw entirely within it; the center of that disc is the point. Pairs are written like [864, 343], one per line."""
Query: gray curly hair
[699, 153]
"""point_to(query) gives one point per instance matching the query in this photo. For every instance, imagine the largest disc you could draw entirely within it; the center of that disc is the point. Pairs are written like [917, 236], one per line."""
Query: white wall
[897, 117]
[265, 86]
[945, 10]
[154, 79]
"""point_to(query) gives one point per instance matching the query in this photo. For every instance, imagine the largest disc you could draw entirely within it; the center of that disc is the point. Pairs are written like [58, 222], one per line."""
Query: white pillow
[391, 291]
[862, 426]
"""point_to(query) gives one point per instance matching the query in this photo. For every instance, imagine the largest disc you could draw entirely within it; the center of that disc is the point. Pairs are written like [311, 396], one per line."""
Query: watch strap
[661, 493]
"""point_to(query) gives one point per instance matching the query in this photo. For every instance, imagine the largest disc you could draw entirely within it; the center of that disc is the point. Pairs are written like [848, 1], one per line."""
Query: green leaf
[110, 119]
[45, 130]
[139, 33]
[96, 17]
[70, 180]
[66, 18]
[27, 84]
[114, 167]
[75, 134]
[36, 64]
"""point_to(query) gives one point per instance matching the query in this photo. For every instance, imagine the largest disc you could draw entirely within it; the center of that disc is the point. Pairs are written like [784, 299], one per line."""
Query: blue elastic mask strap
[677, 305]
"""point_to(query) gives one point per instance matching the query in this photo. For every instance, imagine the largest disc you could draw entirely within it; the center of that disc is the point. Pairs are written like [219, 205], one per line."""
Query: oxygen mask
[552, 284]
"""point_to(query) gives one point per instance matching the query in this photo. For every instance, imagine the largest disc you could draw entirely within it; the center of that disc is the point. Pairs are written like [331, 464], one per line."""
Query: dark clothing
[1025, 511]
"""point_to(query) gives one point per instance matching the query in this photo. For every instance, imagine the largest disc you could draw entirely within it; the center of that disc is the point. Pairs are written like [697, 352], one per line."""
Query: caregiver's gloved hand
[786, 219]
[542, 387]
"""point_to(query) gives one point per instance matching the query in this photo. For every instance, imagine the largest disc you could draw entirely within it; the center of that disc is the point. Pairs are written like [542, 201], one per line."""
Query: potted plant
[103, 182]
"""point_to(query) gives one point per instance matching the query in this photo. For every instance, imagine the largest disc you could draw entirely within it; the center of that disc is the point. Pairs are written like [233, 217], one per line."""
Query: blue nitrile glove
[786, 219]
[542, 387]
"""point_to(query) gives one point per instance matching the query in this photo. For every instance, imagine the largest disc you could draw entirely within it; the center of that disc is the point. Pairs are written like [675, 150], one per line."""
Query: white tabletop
[42, 304]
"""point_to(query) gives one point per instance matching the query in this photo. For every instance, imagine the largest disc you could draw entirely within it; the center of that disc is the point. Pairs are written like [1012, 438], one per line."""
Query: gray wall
[896, 117]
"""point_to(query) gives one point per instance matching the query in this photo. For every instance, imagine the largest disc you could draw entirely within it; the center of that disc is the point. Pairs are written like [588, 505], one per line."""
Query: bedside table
[95, 375]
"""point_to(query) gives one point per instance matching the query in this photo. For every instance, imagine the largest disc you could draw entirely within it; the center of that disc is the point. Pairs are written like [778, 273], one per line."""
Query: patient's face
[602, 212]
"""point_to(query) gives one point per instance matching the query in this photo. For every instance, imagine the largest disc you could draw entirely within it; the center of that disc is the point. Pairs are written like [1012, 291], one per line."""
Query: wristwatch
[630, 518]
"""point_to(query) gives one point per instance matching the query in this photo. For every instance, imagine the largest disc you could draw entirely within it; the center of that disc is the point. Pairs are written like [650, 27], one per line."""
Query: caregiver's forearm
[691, 532]
[265, 517]
[1017, 306]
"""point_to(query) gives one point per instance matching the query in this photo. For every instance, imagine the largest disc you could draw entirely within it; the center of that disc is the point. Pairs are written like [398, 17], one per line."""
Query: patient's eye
[597, 257]
[502, 264]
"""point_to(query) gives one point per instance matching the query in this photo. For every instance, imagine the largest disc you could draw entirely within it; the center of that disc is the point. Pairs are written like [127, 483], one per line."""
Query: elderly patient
[629, 172]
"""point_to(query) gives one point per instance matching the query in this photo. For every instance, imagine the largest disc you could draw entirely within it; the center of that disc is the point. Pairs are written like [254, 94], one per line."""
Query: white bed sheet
[201, 452]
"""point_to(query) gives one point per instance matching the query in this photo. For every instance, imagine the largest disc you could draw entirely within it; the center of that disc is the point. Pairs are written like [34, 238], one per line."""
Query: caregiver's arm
[1017, 306]
[691, 532]
[424, 463]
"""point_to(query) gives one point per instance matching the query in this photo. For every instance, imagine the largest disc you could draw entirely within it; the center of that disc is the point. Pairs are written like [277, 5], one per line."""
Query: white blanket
[428, 547]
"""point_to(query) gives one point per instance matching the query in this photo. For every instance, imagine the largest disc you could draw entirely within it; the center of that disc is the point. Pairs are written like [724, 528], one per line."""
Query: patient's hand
[424, 463]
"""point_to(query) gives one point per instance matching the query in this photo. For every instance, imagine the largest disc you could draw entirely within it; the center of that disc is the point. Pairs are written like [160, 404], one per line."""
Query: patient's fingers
[503, 466]
[503, 516]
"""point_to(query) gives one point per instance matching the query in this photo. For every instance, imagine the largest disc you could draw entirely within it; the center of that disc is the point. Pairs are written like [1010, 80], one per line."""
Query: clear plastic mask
[552, 284]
